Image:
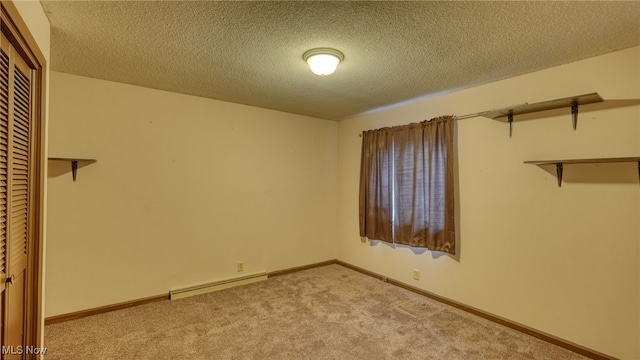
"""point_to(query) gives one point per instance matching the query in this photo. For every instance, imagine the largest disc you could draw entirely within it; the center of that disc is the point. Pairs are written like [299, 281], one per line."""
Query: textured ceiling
[250, 52]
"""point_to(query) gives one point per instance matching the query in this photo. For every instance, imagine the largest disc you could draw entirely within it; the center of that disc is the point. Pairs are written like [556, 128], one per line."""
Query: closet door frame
[15, 29]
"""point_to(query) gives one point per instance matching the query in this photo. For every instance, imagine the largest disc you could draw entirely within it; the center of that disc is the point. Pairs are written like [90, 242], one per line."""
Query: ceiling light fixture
[323, 61]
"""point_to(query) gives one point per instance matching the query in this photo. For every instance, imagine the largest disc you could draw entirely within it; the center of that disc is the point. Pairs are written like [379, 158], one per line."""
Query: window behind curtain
[407, 186]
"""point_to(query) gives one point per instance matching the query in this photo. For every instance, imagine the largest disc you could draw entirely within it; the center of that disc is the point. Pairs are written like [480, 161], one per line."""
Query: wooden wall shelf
[560, 163]
[74, 163]
[572, 102]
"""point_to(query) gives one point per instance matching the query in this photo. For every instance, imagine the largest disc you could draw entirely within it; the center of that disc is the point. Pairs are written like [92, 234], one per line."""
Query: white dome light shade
[323, 64]
[323, 61]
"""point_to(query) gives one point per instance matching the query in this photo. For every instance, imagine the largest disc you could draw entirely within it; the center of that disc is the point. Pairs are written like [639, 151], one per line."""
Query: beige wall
[33, 15]
[184, 188]
[563, 260]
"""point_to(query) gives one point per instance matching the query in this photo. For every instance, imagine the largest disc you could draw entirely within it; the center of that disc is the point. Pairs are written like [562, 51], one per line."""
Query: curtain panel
[407, 185]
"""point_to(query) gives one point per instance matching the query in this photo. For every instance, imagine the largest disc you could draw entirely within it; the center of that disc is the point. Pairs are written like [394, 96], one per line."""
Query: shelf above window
[560, 163]
[545, 105]
[572, 102]
[75, 163]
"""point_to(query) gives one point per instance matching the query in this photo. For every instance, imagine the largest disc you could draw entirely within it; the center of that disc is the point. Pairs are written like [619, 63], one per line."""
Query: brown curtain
[375, 186]
[407, 187]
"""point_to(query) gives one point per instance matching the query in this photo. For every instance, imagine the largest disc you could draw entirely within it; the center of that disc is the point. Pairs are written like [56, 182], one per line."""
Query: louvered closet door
[19, 129]
[15, 154]
[4, 142]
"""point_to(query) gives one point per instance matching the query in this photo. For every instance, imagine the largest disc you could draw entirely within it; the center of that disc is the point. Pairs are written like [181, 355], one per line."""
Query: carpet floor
[329, 312]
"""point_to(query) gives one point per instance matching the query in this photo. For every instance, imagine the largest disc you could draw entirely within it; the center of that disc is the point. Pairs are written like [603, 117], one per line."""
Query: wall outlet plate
[416, 274]
[240, 266]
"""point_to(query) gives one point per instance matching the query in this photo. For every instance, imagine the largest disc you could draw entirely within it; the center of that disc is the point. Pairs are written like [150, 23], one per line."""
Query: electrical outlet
[240, 266]
[416, 274]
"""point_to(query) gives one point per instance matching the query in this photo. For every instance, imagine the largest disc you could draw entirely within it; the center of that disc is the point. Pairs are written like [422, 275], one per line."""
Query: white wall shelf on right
[560, 163]
[572, 102]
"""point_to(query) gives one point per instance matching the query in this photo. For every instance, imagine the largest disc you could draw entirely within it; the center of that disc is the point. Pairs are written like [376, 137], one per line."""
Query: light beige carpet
[329, 312]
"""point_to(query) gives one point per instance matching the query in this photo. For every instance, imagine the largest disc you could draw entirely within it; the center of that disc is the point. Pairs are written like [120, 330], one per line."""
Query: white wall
[184, 188]
[564, 261]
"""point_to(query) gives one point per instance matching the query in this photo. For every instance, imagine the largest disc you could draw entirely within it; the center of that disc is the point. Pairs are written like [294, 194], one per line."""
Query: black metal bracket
[559, 168]
[574, 115]
[510, 121]
[74, 169]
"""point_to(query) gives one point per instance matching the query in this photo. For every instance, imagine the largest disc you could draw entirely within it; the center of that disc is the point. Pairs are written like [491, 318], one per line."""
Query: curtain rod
[482, 113]
[453, 116]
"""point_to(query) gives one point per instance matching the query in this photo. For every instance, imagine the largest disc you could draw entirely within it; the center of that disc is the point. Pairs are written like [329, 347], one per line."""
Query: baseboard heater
[216, 285]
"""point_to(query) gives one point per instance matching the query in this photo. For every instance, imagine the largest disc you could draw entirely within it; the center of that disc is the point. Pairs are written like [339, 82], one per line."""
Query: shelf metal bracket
[559, 173]
[74, 169]
[510, 121]
[574, 115]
